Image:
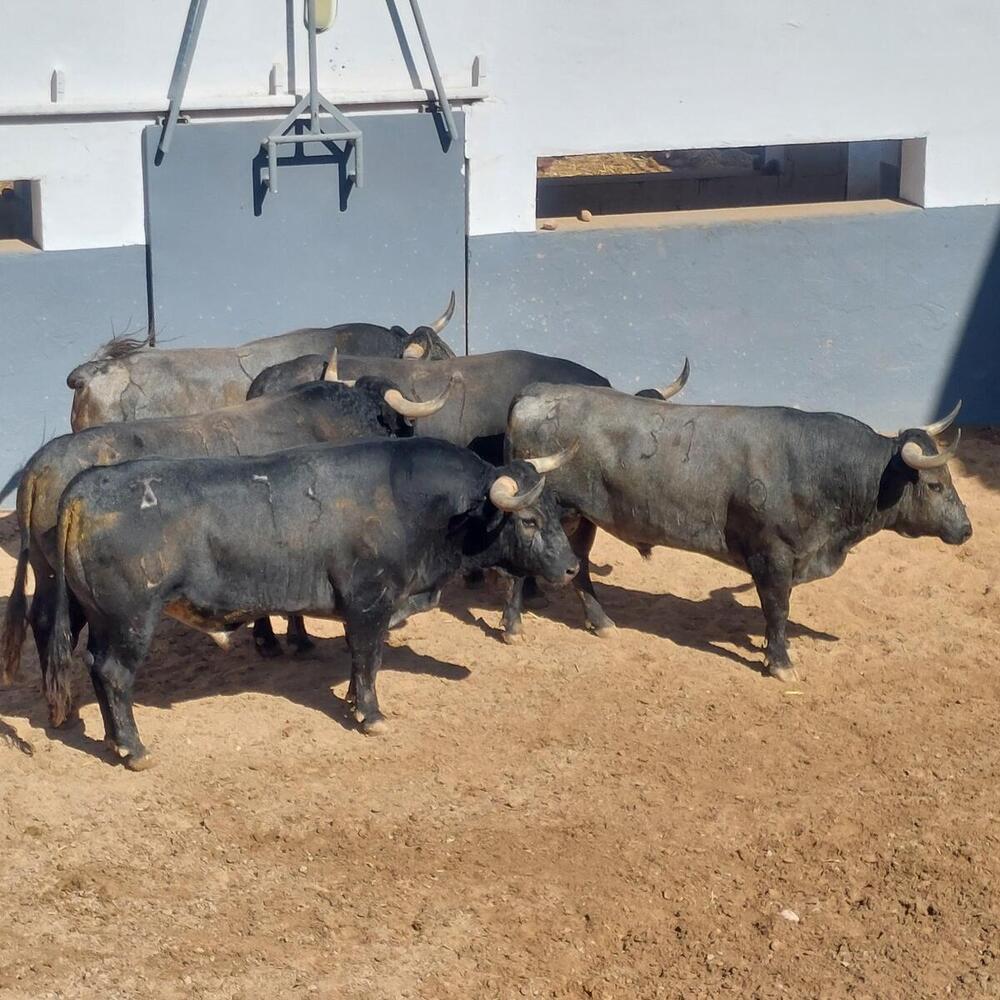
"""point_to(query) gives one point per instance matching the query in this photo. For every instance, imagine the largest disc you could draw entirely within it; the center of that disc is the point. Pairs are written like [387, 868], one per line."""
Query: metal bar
[272, 166]
[178, 82]
[316, 104]
[442, 97]
[310, 137]
[313, 70]
[358, 163]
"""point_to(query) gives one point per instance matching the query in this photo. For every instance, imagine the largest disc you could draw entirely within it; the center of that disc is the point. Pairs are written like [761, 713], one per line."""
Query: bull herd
[352, 471]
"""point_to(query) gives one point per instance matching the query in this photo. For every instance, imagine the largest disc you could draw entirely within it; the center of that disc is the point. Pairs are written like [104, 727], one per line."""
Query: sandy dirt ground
[569, 818]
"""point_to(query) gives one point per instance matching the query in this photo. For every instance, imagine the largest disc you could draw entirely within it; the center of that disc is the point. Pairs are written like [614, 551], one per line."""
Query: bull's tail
[11, 484]
[16, 617]
[59, 676]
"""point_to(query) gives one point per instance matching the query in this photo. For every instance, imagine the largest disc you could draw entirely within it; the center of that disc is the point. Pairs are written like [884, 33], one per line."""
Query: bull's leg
[263, 638]
[772, 575]
[366, 630]
[414, 604]
[97, 651]
[115, 672]
[297, 637]
[42, 619]
[581, 540]
[512, 629]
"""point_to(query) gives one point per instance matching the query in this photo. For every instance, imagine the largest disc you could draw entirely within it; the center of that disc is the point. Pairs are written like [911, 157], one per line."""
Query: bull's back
[251, 534]
[156, 382]
[696, 477]
[348, 338]
[476, 413]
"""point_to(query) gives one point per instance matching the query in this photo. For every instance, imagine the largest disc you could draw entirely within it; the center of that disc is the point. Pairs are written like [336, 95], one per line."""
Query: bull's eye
[936, 487]
[530, 522]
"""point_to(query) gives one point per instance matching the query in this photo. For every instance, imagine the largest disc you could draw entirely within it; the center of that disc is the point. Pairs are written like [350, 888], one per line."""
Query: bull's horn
[549, 463]
[413, 350]
[940, 426]
[330, 375]
[914, 457]
[442, 321]
[412, 409]
[504, 495]
[678, 383]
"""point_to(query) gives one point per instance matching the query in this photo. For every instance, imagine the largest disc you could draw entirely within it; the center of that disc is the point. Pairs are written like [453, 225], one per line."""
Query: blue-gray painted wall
[231, 261]
[55, 308]
[888, 317]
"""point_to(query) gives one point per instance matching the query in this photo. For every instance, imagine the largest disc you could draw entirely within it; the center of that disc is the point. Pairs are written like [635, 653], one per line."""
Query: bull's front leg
[297, 636]
[772, 574]
[512, 629]
[264, 638]
[365, 629]
[581, 540]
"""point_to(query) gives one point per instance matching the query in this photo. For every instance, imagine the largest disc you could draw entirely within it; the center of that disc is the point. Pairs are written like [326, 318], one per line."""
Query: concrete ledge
[729, 216]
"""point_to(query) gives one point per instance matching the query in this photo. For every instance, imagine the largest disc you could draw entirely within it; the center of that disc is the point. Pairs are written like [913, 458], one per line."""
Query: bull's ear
[896, 476]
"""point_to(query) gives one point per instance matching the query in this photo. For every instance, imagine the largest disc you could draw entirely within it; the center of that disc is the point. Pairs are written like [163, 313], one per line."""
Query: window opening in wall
[18, 208]
[734, 177]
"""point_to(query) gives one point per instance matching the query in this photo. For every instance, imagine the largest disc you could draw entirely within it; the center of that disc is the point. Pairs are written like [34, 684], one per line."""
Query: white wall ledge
[259, 102]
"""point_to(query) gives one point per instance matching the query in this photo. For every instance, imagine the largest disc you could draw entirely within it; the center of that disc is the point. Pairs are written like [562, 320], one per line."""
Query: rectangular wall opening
[19, 213]
[735, 177]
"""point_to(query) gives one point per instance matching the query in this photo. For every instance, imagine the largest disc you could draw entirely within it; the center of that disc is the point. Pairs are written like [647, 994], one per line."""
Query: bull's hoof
[140, 761]
[375, 727]
[606, 631]
[301, 646]
[786, 674]
[512, 638]
[268, 648]
[64, 719]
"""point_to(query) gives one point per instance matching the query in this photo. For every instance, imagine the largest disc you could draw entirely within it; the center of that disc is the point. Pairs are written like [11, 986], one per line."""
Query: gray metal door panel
[230, 261]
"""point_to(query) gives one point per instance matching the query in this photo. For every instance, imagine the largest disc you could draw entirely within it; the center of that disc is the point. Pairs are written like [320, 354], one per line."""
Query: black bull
[129, 381]
[476, 417]
[777, 492]
[321, 412]
[354, 532]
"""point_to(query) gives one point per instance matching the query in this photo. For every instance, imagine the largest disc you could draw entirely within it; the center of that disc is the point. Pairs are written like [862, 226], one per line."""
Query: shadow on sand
[700, 625]
[184, 665]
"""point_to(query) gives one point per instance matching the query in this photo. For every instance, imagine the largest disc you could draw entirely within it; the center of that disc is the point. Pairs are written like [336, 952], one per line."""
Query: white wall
[563, 76]
[90, 180]
[124, 50]
[642, 74]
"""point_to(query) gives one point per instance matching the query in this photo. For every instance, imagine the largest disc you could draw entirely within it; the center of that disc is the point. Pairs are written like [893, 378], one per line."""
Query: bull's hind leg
[772, 574]
[366, 630]
[42, 619]
[581, 540]
[115, 671]
[97, 651]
